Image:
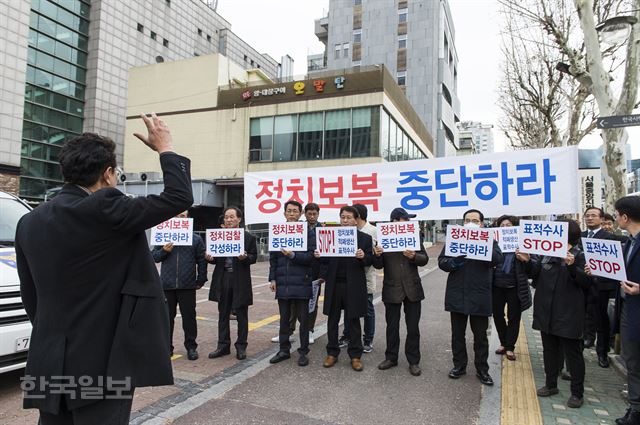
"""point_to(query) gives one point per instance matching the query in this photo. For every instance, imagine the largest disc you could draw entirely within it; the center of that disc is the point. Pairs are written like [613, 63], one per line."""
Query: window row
[36, 187]
[395, 143]
[35, 168]
[54, 83]
[77, 20]
[40, 151]
[42, 133]
[57, 48]
[53, 100]
[153, 35]
[345, 133]
[40, 114]
[59, 32]
[52, 64]
[208, 35]
[341, 47]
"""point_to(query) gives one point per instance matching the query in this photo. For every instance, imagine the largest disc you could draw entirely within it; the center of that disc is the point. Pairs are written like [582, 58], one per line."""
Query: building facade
[481, 136]
[415, 40]
[66, 71]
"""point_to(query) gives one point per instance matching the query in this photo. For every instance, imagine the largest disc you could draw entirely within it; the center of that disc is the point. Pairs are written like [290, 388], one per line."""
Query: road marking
[176, 356]
[263, 322]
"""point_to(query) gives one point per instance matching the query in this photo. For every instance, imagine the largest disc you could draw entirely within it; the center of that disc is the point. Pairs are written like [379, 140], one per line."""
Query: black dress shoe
[457, 372]
[415, 370]
[546, 391]
[387, 364]
[603, 361]
[565, 376]
[303, 360]
[192, 354]
[280, 356]
[622, 420]
[485, 378]
[575, 402]
[631, 418]
[219, 353]
[588, 343]
[241, 354]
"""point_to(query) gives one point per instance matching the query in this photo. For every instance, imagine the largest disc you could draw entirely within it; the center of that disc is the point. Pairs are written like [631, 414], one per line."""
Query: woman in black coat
[558, 313]
[510, 289]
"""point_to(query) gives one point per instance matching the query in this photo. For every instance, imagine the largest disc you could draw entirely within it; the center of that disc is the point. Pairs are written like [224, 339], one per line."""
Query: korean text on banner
[604, 258]
[178, 231]
[507, 238]
[337, 241]
[544, 238]
[539, 181]
[473, 243]
[225, 242]
[291, 236]
[398, 236]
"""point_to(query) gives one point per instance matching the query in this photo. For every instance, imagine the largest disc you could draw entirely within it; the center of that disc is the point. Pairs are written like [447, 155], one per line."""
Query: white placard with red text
[398, 236]
[604, 258]
[178, 231]
[337, 241]
[225, 242]
[507, 237]
[520, 183]
[473, 243]
[291, 236]
[544, 238]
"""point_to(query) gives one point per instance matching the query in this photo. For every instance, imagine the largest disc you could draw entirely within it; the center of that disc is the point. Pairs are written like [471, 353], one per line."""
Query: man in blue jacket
[183, 270]
[628, 211]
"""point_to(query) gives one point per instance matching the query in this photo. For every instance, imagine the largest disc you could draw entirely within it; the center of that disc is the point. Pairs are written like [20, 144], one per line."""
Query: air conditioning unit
[130, 177]
[150, 176]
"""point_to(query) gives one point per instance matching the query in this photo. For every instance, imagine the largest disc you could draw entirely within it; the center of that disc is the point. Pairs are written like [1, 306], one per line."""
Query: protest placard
[544, 238]
[337, 241]
[291, 236]
[604, 258]
[225, 242]
[398, 236]
[473, 243]
[178, 231]
[507, 238]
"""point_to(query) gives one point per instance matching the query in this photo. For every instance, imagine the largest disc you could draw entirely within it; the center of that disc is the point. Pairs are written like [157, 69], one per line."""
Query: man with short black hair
[311, 214]
[468, 299]
[90, 287]
[628, 299]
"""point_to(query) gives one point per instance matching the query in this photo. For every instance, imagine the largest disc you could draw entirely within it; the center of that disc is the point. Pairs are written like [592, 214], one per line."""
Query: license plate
[22, 344]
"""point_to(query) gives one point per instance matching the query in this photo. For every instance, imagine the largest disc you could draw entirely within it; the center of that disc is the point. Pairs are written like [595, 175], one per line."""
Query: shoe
[632, 417]
[623, 420]
[356, 365]
[546, 391]
[277, 338]
[485, 378]
[457, 372]
[241, 354]
[219, 353]
[312, 339]
[415, 370]
[588, 343]
[343, 341]
[500, 351]
[367, 347]
[387, 364]
[303, 360]
[574, 402]
[233, 317]
[603, 361]
[565, 376]
[329, 361]
[280, 356]
[192, 354]
[511, 356]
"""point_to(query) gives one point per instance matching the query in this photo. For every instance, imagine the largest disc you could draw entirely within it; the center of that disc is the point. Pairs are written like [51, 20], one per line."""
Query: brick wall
[9, 183]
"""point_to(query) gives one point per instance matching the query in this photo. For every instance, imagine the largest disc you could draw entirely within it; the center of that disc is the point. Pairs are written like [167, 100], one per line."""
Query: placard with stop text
[472, 243]
[178, 231]
[604, 258]
[544, 238]
[291, 236]
[398, 236]
[337, 241]
[225, 242]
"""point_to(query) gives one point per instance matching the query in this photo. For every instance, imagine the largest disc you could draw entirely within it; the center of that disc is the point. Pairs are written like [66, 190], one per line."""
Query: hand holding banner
[604, 258]
[544, 238]
[475, 244]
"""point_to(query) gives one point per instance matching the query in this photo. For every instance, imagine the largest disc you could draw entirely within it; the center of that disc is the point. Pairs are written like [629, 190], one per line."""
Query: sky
[289, 29]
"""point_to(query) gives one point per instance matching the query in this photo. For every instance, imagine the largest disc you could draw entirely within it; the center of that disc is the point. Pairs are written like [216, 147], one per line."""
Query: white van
[15, 328]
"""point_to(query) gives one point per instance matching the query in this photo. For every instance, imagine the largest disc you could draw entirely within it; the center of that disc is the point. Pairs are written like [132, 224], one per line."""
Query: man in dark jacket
[628, 211]
[468, 298]
[346, 289]
[183, 271]
[402, 284]
[290, 277]
[90, 286]
[231, 289]
[598, 296]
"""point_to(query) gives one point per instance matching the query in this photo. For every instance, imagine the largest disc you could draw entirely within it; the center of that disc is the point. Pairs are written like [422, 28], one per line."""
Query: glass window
[402, 15]
[41, 96]
[153, 35]
[59, 102]
[310, 136]
[338, 47]
[47, 26]
[66, 35]
[42, 78]
[402, 42]
[67, 18]
[284, 138]
[384, 134]
[74, 123]
[402, 78]
[393, 129]
[337, 134]
[357, 36]
[140, 27]
[63, 68]
[345, 50]
[46, 44]
[84, 10]
[46, 8]
[399, 141]
[38, 150]
[60, 85]
[64, 52]
[44, 61]
[365, 123]
[261, 139]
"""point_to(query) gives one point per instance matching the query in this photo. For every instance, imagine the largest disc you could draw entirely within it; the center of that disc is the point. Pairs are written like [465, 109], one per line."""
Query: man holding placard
[183, 271]
[468, 294]
[231, 287]
[401, 285]
[628, 211]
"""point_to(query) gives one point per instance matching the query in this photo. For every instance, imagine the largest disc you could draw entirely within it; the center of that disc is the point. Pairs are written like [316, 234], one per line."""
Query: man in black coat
[346, 289]
[183, 271]
[231, 289]
[597, 313]
[91, 288]
[468, 298]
